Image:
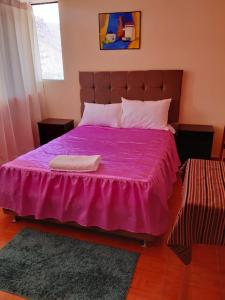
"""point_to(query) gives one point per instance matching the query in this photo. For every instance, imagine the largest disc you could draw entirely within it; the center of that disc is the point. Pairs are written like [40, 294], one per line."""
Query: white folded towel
[76, 163]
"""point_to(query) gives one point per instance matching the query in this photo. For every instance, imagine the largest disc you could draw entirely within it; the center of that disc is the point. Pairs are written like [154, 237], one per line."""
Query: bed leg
[144, 244]
[14, 220]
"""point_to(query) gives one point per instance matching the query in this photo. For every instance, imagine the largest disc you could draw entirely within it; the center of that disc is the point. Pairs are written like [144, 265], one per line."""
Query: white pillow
[101, 114]
[145, 114]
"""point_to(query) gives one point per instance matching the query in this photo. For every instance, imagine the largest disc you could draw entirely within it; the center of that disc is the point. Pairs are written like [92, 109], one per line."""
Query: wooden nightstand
[50, 129]
[194, 141]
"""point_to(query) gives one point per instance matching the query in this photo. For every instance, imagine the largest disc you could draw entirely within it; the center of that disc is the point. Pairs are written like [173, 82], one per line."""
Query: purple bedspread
[129, 191]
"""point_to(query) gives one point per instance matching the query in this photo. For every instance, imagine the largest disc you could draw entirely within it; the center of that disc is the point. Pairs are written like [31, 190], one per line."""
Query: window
[49, 40]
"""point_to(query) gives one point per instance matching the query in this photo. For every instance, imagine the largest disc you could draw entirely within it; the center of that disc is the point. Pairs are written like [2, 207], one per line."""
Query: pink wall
[176, 34]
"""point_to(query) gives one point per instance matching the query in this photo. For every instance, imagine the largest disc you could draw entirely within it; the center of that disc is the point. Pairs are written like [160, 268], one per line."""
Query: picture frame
[120, 30]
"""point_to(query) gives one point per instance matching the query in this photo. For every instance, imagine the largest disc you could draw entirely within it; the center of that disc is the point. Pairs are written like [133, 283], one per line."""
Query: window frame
[47, 2]
[39, 2]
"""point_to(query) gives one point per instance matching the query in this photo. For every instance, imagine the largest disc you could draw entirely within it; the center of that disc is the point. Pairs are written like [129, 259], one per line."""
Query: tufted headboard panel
[109, 87]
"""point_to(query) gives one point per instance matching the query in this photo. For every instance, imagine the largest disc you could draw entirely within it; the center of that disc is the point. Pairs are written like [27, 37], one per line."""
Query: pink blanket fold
[128, 192]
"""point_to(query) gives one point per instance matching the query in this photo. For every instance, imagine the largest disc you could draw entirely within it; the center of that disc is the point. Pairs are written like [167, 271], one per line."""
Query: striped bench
[201, 219]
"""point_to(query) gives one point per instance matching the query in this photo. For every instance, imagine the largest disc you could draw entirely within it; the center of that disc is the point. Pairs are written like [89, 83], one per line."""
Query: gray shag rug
[39, 265]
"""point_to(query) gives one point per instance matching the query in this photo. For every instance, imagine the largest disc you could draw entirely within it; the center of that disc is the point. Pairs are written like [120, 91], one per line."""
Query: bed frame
[142, 237]
[109, 87]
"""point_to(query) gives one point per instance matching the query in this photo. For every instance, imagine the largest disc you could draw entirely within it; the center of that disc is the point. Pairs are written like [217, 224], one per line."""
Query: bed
[129, 192]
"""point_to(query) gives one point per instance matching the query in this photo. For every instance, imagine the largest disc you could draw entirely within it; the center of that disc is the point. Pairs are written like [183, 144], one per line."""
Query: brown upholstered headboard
[109, 87]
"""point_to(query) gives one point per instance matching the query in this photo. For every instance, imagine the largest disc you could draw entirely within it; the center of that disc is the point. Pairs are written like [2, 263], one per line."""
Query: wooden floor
[159, 275]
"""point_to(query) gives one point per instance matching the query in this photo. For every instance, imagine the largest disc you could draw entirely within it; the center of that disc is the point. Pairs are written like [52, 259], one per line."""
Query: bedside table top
[56, 121]
[196, 128]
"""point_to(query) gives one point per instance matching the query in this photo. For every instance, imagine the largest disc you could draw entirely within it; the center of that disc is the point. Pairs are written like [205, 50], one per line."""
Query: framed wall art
[119, 30]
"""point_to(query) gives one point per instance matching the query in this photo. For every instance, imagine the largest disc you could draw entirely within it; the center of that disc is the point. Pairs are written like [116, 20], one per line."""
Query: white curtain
[20, 80]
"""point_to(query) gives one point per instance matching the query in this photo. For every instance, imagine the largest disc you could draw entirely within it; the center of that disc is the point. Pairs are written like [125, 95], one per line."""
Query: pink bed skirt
[129, 191]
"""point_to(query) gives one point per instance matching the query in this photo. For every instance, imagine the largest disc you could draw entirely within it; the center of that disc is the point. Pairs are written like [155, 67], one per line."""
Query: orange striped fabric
[201, 219]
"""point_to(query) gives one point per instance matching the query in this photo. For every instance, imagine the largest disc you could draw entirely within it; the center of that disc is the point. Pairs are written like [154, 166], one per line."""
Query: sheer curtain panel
[20, 80]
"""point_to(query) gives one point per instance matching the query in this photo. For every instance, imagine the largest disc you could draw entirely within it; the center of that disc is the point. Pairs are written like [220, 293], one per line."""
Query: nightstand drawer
[50, 129]
[194, 141]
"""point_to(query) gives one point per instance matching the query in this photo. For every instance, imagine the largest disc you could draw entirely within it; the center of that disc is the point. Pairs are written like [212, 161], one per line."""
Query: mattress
[129, 191]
